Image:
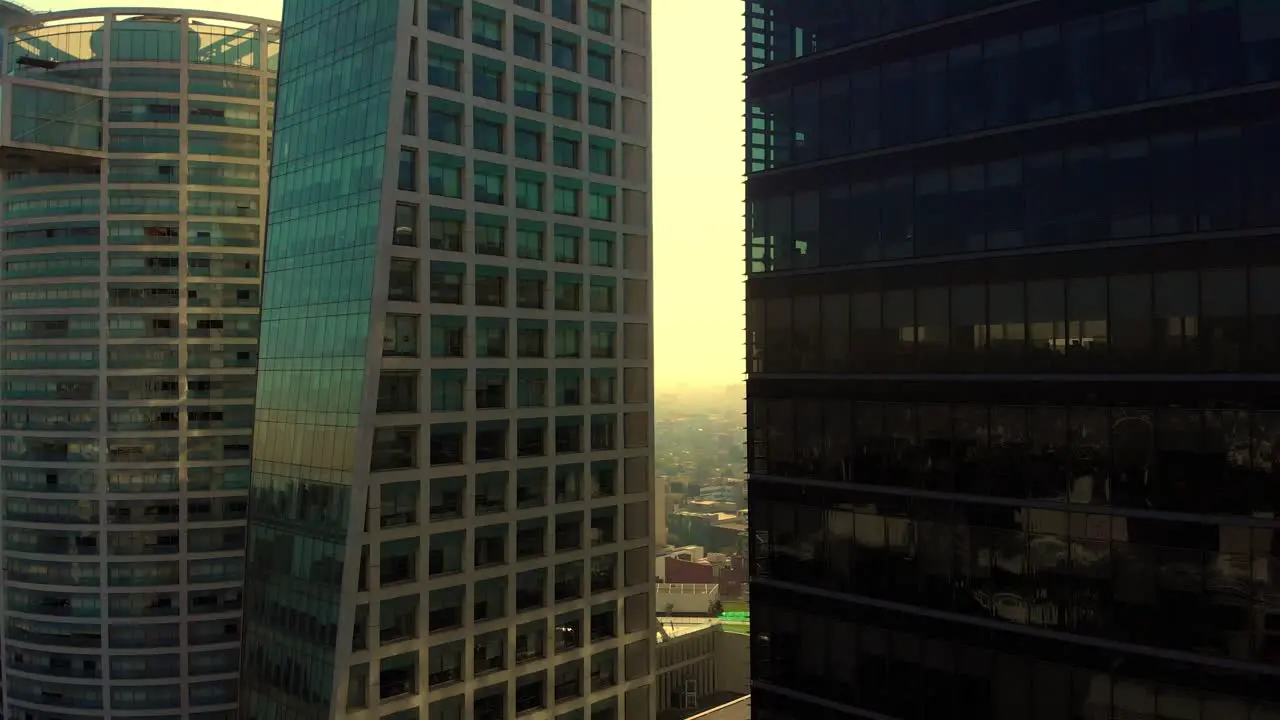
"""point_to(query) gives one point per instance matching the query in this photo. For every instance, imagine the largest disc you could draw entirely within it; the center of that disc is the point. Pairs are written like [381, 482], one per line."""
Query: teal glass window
[604, 337]
[529, 190]
[527, 40]
[486, 25]
[491, 286]
[444, 121]
[142, 110]
[566, 10]
[529, 241]
[205, 112]
[600, 18]
[447, 443]
[413, 58]
[142, 202]
[407, 177]
[444, 66]
[445, 175]
[528, 89]
[535, 5]
[448, 334]
[446, 228]
[528, 144]
[600, 158]
[602, 248]
[568, 292]
[487, 135]
[564, 53]
[531, 285]
[445, 17]
[491, 337]
[490, 183]
[603, 293]
[604, 381]
[447, 279]
[564, 103]
[531, 387]
[211, 82]
[600, 112]
[409, 121]
[601, 202]
[448, 390]
[215, 143]
[486, 78]
[600, 61]
[164, 172]
[531, 338]
[140, 140]
[569, 344]
[564, 152]
[152, 79]
[567, 199]
[491, 234]
[568, 245]
[568, 381]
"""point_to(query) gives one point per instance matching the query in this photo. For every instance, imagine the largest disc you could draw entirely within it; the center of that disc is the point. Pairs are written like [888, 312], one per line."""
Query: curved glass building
[135, 151]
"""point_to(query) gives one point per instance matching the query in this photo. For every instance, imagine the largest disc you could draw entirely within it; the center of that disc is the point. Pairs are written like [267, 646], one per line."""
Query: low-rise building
[701, 664]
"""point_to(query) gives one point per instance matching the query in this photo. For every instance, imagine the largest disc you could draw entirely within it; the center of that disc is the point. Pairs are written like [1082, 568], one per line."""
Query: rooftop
[739, 709]
[678, 626]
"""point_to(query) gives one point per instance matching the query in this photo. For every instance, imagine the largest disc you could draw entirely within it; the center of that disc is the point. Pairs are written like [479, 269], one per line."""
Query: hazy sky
[697, 137]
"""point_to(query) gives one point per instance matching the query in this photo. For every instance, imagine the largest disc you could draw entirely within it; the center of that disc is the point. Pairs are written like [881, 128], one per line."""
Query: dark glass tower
[1013, 315]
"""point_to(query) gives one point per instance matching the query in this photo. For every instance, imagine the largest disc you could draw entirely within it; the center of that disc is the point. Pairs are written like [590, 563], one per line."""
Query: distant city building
[135, 147]
[453, 496]
[1013, 327]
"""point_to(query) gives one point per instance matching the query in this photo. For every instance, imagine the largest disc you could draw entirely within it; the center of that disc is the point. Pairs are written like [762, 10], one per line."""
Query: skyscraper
[1012, 341]
[451, 503]
[135, 154]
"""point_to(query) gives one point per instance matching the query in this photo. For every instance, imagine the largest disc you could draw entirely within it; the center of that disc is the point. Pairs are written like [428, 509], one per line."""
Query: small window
[566, 201]
[443, 70]
[564, 54]
[529, 194]
[600, 18]
[566, 10]
[445, 178]
[602, 250]
[409, 124]
[486, 30]
[486, 82]
[565, 152]
[528, 144]
[444, 123]
[445, 17]
[490, 187]
[528, 94]
[564, 103]
[568, 248]
[601, 206]
[600, 65]
[408, 175]
[529, 245]
[488, 136]
[600, 112]
[600, 160]
[527, 43]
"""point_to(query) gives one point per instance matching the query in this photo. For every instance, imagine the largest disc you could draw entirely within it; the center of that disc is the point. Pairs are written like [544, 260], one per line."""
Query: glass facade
[452, 457]
[1009, 352]
[325, 207]
[129, 301]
